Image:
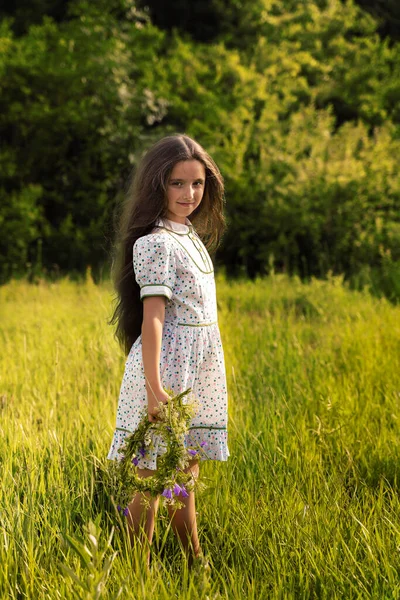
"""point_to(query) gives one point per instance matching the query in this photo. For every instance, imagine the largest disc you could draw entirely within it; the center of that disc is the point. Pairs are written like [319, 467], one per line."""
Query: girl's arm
[152, 327]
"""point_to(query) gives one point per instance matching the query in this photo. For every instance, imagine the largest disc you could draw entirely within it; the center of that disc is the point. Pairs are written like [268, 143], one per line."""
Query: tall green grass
[307, 506]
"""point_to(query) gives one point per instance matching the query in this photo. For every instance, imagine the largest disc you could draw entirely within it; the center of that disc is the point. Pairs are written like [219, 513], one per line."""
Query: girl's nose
[190, 193]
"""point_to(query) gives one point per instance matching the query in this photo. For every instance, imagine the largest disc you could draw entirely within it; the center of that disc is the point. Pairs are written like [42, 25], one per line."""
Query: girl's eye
[180, 184]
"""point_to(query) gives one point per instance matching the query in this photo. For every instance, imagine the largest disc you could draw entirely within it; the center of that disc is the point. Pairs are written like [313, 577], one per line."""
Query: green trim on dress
[157, 285]
[194, 427]
[207, 427]
[187, 251]
[197, 324]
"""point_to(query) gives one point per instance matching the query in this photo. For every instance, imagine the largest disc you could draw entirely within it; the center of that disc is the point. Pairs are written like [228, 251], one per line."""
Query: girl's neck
[175, 225]
[175, 221]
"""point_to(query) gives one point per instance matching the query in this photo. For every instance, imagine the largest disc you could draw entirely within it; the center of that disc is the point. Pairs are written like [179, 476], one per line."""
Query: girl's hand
[152, 404]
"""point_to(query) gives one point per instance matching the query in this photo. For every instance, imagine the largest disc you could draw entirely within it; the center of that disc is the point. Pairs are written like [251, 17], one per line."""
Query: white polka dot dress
[172, 261]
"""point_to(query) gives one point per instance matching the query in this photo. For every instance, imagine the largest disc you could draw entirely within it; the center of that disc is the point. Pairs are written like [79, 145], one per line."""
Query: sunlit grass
[306, 506]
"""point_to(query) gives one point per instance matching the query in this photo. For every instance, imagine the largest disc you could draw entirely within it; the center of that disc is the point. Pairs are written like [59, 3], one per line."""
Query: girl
[166, 316]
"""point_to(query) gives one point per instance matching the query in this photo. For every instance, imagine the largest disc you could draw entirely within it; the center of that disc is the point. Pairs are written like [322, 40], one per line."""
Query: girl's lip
[186, 203]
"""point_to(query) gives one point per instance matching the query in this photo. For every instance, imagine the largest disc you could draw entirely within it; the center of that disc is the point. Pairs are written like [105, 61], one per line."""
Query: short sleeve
[154, 266]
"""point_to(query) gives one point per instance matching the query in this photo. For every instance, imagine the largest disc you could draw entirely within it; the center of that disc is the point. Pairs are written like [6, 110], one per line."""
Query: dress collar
[174, 226]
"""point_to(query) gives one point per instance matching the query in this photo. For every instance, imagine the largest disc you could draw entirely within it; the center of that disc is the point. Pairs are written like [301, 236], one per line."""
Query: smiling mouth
[186, 203]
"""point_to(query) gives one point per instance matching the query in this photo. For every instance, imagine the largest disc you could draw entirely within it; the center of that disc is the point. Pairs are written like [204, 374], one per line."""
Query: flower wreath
[169, 480]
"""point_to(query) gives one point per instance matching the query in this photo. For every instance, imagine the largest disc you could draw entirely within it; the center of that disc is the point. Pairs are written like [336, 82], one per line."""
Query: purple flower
[192, 452]
[142, 451]
[135, 461]
[125, 512]
[177, 489]
[203, 444]
[167, 493]
[184, 493]
[119, 508]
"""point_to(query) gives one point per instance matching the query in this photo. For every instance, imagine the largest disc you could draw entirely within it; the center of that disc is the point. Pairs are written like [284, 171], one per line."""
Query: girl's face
[185, 189]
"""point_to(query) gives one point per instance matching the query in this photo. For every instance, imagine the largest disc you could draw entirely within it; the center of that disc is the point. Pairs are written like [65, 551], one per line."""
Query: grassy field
[307, 505]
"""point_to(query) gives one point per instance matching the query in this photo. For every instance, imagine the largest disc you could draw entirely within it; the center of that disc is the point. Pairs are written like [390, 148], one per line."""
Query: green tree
[299, 103]
[71, 116]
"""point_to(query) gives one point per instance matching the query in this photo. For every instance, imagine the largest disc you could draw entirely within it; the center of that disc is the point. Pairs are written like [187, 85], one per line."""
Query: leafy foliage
[299, 103]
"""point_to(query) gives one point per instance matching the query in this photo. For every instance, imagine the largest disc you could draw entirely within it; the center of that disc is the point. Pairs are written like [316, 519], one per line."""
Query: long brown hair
[145, 202]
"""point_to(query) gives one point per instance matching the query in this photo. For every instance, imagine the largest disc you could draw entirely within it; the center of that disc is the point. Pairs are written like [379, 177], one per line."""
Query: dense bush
[300, 108]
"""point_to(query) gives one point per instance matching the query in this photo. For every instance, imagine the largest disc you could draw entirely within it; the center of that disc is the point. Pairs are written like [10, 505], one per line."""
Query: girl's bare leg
[141, 519]
[184, 521]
